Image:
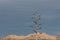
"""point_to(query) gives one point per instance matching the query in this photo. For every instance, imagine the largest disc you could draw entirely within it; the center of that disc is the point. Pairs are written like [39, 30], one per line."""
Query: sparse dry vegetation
[42, 36]
[58, 37]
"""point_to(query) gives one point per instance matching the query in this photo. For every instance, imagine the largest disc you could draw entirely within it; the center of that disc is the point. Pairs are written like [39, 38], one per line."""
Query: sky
[15, 16]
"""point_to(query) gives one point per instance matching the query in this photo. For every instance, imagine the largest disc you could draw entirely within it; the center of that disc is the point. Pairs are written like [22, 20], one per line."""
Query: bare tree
[36, 21]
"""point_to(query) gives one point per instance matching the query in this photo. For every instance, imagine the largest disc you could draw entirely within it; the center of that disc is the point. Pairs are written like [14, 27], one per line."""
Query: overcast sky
[15, 16]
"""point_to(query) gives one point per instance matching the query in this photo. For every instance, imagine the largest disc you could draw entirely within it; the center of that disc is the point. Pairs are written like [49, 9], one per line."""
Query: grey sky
[15, 15]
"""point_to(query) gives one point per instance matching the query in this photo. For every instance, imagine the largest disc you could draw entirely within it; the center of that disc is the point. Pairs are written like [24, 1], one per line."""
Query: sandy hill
[31, 36]
[40, 36]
